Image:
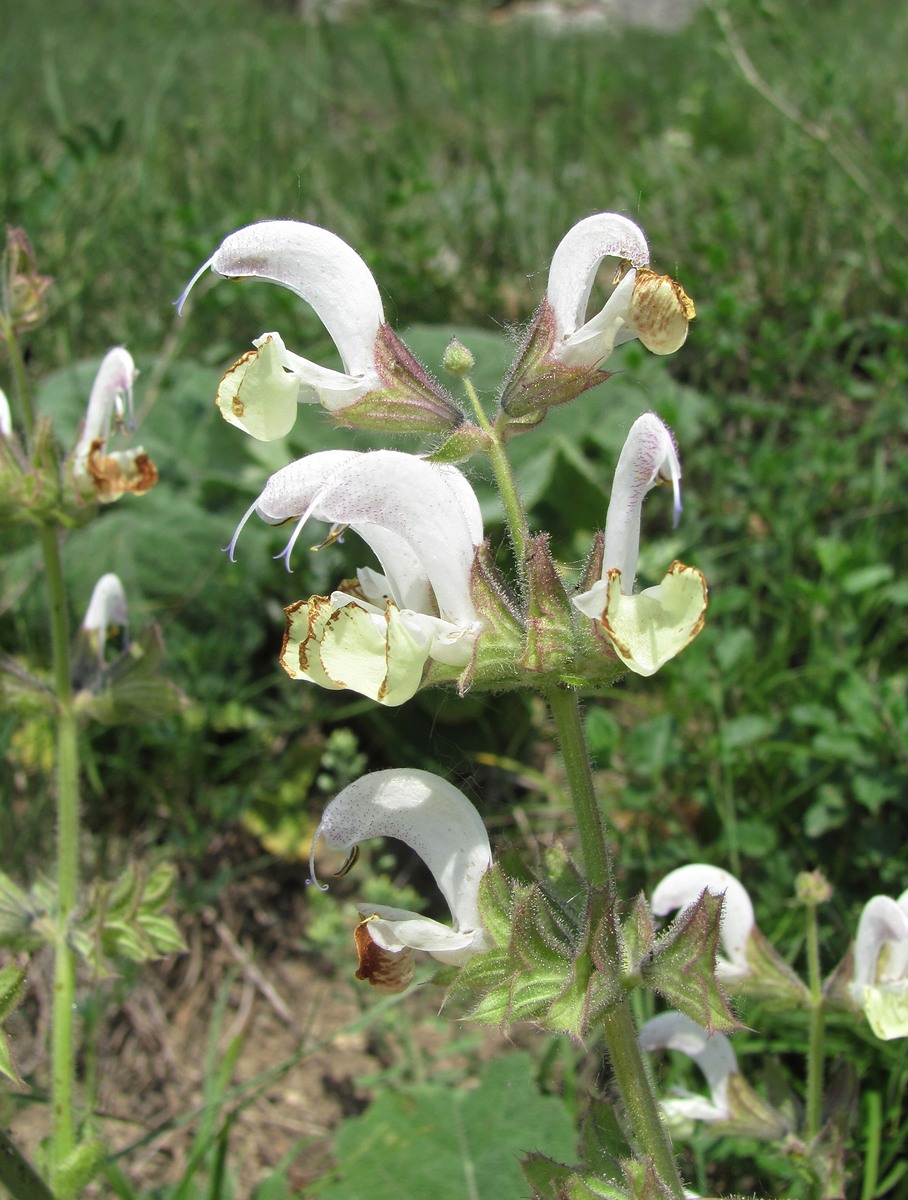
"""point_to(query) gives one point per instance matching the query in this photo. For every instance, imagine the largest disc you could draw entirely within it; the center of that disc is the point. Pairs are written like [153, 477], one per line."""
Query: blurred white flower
[879, 983]
[106, 476]
[684, 886]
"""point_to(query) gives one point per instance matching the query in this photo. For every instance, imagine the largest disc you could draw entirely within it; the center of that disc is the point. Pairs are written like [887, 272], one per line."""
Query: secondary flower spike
[648, 629]
[564, 352]
[880, 980]
[381, 385]
[378, 633]
[436, 820]
[106, 476]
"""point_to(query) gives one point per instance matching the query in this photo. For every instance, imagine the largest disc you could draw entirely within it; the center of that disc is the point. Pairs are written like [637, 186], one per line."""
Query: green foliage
[449, 1143]
[125, 919]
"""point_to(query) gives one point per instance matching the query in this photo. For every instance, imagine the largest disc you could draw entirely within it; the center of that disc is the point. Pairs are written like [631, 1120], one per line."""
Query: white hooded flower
[437, 821]
[422, 520]
[649, 628]
[260, 392]
[684, 886]
[643, 304]
[880, 980]
[712, 1053]
[106, 476]
[106, 611]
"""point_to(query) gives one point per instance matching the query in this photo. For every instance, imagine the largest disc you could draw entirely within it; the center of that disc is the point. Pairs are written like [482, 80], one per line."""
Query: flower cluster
[436, 610]
[434, 613]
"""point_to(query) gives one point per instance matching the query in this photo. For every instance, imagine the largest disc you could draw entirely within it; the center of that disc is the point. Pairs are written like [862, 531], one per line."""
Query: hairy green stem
[63, 1140]
[626, 1057]
[515, 517]
[817, 1021]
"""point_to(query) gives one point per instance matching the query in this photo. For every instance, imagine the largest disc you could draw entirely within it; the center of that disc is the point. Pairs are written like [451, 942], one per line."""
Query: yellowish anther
[335, 533]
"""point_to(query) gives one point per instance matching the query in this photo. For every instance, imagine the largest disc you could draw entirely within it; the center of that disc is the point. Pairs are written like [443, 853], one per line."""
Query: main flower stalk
[620, 1031]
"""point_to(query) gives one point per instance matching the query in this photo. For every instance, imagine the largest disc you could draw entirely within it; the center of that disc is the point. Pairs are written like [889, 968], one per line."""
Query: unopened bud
[812, 888]
[457, 359]
[24, 290]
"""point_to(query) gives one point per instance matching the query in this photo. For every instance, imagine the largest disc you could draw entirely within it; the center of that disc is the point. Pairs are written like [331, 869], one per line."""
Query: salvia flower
[649, 628]
[435, 820]
[683, 887]
[377, 634]
[564, 352]
[381, 385]
[732, 1104]
[748, 961]
[106, 612]
[712, 1053]
[106, 476]
[879, 983]
[643, 304]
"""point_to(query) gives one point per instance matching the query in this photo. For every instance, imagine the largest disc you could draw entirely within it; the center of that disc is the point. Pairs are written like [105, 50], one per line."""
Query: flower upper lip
[261, 391]
[421, 519]
[435, 819]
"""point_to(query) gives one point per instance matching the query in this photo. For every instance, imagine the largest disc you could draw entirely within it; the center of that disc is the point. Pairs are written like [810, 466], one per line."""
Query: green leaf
[450, 1144]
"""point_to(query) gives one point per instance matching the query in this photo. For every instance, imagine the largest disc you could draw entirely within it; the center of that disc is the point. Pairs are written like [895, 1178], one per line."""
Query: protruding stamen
[288, 549]
[335, 534]
[352, 860]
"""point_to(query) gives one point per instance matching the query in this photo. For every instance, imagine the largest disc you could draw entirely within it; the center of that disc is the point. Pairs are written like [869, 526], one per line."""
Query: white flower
[101, 476]
[643, 305]
[422, 521]
[6, 421]
[260, 392]
[648, 629]
[684, 886]
[437, 821]
[107, 606]
[712, 1053]
[880, 980]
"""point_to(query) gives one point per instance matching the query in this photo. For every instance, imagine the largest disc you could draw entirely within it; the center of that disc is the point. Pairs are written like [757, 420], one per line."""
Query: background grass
[454, 152]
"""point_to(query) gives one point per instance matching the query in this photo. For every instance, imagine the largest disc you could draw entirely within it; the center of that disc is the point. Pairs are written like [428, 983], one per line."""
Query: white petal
[320, 268]
[575, 262]
[712, 1053]
[684, 886]
[430, 816]
[883, 920]
[6, 421]
[317, 384]
[647, 457]
[395, 928]
[421, 519]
